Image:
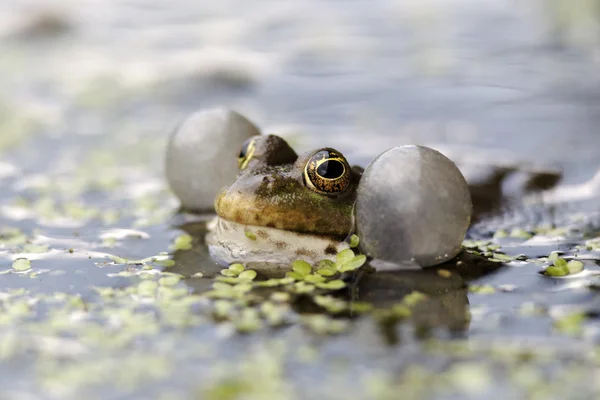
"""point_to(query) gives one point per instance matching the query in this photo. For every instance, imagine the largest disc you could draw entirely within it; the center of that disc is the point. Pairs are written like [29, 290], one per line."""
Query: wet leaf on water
[520, 233]
[500, 234]
[35, 248]
[280, 297]
[556, 271]
[182, 242]
[571, 324]
[560, 263]
[332, 285]
[170, 280]
[343, 256]
[247, 275]
[482, 289]
[574, 266]
[327, 271]
[413, 298]
[21, 264]
[147, 288]
[294, 275]
[553, 256]
[314, 278]
[237, 268]
[353, 264]
[331, 304]
[301, 267]
[248, 321]
[559, 268]
[229, 273]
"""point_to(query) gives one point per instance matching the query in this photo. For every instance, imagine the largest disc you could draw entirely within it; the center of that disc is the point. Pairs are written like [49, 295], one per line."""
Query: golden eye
[327, 172]
[246, 153]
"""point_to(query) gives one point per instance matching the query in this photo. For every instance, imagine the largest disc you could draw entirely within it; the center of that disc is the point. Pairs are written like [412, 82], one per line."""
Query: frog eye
[327, 172]
[246, 153]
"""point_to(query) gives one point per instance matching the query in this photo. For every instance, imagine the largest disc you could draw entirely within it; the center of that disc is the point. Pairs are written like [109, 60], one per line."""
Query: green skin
[271, 192]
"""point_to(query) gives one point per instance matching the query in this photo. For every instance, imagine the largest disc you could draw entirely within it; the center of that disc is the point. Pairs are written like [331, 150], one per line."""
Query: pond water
[117, 297]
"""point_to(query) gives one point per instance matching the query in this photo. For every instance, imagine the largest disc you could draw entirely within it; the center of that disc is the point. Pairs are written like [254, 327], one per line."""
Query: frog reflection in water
[284, 207]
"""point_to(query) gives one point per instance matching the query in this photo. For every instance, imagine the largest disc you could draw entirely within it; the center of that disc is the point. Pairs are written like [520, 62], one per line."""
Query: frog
[284, 206]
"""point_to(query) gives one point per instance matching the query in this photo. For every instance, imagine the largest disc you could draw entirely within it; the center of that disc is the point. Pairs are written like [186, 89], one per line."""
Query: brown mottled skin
[271, 192]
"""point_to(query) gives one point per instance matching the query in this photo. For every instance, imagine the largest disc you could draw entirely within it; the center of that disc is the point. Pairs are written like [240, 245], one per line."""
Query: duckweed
[21, 264]
[147, 288]
[353, 263]
[571, 324]
[560, 267]
[302, 268]
[574, 266]
[248, 275]
[336, 284]
[237, 268]
[182, 243]
[482, 289]
[170, 280]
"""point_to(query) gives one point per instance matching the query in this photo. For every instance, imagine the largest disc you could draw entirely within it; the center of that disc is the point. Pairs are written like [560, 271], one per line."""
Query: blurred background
[490, 79]
[91, 89]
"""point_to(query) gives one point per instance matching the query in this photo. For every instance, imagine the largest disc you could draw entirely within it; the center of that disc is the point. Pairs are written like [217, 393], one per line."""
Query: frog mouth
[230, 242]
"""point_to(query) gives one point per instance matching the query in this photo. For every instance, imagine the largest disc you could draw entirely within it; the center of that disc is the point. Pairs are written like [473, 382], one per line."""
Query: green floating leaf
[329, 271]
[556, 271]
[326, 264]
[332, 285]
[35, 248]
[221, 286]
[229, 273]
[520, 233]
[344, 256]
[247, 275]
[354, 263]
[280, 297]
[482, 289]
[293, 275]
[227, 279]
[401, 311]
[237, 268]
[571, 324]
[323, 325]
[500, 234]
[250, 235]
[574, 266]
[21, 264]
[553, 256]
[165, 263]
[243, 287]
[170, 280]
[302, 287]
[183, 242]
[301, 267]
[503, 257]
[331, 304]
[413, 298]
[147, 288]
[314, 279]
[222, 308]
[354, 241]
[560, 263]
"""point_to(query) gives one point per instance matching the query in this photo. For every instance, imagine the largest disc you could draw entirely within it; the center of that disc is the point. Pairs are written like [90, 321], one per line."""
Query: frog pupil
[330, 169]
[244, 149]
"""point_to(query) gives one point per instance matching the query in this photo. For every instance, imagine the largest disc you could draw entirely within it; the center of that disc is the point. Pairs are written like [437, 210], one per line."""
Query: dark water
[89, 92]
